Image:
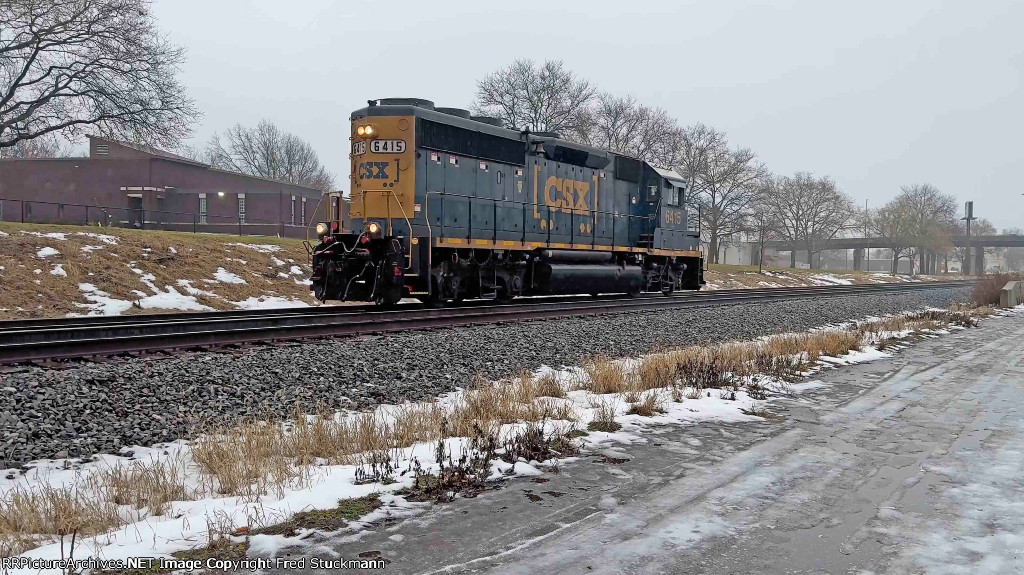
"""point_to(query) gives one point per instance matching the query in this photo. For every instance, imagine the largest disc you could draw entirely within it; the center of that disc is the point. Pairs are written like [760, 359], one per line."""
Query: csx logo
[373, 170]
[564, 195]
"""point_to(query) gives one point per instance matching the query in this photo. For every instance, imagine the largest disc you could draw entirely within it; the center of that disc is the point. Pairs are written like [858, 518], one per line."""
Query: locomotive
[446, 206]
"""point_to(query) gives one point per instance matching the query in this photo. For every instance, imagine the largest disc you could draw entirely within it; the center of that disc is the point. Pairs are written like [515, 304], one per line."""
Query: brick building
[124, 185]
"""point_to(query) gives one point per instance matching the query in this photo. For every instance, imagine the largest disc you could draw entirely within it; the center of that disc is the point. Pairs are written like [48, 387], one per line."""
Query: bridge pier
[978, 261]
[858, 259]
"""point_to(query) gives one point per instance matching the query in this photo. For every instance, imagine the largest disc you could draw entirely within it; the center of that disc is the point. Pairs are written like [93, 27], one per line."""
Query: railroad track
[36, 340]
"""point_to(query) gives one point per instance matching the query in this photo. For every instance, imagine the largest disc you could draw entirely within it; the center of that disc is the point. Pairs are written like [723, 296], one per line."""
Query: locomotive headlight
[361, 130]
[373, 228]
[321, 229]
[368, 130]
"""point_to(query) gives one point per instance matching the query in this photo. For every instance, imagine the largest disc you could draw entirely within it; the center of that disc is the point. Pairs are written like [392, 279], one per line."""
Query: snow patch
[187, 286]
[269, 302]
[58, 270]
[111, 240]
[262, 248]
[172, 299]
[47, 252]
[829, 279]
[223, 275]
[101, 302]
[52, 235]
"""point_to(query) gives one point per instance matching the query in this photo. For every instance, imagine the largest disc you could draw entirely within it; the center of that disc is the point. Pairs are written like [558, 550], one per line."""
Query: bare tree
[808, 211]
[980, 227]
[268, 152]
[624, 126]
[67, 66]
[41, 147]
[729, 182]
[696, 145]
[931, 214]
[893, 225]
[1014, 256]
[548, 98]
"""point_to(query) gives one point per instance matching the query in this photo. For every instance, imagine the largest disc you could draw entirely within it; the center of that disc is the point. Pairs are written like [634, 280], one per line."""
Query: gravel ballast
[103, 407]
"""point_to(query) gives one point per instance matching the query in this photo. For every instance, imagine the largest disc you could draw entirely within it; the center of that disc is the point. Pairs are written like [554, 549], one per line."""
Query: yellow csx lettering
[564, 195]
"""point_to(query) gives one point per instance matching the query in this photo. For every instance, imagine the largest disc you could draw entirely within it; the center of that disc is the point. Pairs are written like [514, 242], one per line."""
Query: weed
[657, 371]
[763, 413]
[325, 519]
[533, 444]
[651, 405]
[548, 385]
[604, 376]
[987, 288]
[604, 417]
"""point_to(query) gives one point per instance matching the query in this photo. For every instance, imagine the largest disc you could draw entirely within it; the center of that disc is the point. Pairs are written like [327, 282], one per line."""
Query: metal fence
[33, 211]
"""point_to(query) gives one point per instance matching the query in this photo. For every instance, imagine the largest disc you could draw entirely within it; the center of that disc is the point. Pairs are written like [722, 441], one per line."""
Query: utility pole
[760, 241]
[969, 217]
[867, 251]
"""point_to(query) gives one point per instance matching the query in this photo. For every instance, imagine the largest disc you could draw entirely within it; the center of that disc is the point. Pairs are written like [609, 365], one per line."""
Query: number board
[387, 146]
[358, 148]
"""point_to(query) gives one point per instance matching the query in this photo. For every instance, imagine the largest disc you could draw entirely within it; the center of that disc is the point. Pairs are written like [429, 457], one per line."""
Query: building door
[135, 213]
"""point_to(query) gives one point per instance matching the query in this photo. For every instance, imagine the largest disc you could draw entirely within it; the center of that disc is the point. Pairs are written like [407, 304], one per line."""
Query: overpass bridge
[929, 260]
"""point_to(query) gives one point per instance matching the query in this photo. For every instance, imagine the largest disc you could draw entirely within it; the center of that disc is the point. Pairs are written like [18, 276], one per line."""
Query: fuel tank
[562, 279]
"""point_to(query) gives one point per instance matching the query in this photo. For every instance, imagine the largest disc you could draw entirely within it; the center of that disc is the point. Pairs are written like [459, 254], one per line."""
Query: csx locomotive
[446, 206]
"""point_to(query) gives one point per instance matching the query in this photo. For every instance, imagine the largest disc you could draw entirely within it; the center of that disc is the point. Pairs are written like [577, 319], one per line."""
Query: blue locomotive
[446, 206]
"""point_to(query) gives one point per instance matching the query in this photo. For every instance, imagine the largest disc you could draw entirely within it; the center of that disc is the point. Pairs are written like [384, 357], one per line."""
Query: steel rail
[36, 340]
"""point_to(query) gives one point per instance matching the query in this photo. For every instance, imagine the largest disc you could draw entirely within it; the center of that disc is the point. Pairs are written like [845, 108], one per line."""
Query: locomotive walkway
[41, 340]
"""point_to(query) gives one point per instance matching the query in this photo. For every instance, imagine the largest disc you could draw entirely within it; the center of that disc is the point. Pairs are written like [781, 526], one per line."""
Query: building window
[303, 211]
[202, 208]
[293, 210]
[241, 208]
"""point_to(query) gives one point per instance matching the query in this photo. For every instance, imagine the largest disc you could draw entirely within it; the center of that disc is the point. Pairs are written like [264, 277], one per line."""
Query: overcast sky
[874, 94]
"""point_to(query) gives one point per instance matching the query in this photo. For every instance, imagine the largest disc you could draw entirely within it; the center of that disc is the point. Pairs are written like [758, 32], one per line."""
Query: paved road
[909, 465]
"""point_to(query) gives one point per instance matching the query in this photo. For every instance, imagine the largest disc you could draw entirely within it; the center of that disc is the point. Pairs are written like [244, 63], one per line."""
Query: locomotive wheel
[504, 297]
[434, 300]
[390, 297]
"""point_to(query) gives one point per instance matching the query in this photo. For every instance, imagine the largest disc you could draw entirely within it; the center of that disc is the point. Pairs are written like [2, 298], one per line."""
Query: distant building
[125, 185]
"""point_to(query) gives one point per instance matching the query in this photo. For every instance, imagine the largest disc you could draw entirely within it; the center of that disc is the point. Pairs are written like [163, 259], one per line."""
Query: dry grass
[604, 416]
[657, 371]
[195, 257]
[650, 405]
[103, 500]
[705, 367]
[603, 376]
[724, 276]
[548, 385]
[987, 288]
[249, 459]
[29, 517]
[146, 486]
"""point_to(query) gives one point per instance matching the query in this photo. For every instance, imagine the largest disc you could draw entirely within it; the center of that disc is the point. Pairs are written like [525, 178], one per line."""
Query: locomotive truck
[446, 206]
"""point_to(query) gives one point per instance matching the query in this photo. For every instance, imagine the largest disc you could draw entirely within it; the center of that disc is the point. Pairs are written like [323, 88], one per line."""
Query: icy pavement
[908, 465]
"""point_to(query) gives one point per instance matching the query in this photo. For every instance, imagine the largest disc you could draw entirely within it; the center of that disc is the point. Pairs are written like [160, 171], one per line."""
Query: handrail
[594, 213]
